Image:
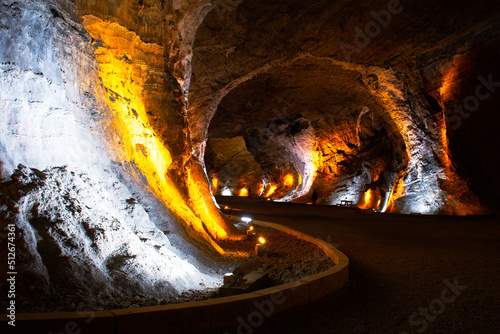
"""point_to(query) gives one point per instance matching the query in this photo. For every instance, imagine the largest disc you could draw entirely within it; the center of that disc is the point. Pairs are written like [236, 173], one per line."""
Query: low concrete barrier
[246, 310]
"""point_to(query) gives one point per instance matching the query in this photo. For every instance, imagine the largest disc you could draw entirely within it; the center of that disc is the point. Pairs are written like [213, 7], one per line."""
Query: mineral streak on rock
[133, 74]
[74, 145]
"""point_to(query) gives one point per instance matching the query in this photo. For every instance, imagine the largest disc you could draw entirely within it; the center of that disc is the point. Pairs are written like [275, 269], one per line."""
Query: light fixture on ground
[261, 247]
[226, 192]
[251, 235]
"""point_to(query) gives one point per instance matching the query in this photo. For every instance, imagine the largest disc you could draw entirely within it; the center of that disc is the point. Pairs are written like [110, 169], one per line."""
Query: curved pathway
[408, 274]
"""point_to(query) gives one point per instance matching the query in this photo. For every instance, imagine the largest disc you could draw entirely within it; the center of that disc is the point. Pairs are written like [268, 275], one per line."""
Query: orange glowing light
[449, 80]
[215, 183]
[262, 240]
[398, 190]
[271, 191]
[124, 80]
[251, 227]
[289, 180]
[243, 192]
[365, 202]
[446, 85]
[300, 178]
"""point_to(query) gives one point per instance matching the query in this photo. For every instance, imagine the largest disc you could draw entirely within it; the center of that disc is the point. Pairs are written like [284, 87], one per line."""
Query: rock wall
[146, 44]
[79, 114]
[232, 168]
[317, 59]
[106, 108]
[463, 83]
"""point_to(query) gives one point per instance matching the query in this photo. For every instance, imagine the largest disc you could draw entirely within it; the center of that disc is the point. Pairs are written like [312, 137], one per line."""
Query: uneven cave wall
[356, 161]
[82, 222]
[345, 143]
[241, 48]
[284, 148]
[143, 49]
[464, 84]
[232, 168]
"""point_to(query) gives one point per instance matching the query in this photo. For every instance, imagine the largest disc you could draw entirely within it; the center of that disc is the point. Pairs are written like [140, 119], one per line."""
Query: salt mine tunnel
[126, 124]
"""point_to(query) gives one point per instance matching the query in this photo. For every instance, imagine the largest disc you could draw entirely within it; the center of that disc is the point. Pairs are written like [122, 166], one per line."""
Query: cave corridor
[129, 129]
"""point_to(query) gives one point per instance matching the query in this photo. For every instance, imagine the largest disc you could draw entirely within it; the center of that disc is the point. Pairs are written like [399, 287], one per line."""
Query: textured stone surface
[125, 94]
[232, 167]
[87, 216]
[282, 59]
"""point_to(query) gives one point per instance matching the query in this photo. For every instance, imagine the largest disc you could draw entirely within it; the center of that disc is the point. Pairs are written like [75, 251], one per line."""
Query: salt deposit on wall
[68, 197]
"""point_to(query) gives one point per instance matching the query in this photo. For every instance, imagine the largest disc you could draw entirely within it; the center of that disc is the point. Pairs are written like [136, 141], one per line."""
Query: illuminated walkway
[398, 266]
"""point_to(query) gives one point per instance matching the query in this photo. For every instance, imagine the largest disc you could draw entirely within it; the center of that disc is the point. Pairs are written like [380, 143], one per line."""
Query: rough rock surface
[390, 104]
[79, 232]
[271, 61]
[89, 218]
[231, 166]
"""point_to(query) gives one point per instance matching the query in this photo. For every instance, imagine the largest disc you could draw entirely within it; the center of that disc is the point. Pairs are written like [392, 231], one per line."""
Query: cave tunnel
[136, 135]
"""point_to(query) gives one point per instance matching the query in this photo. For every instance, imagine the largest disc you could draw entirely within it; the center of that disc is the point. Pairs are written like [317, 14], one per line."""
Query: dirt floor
[408, 274]
[288, 259]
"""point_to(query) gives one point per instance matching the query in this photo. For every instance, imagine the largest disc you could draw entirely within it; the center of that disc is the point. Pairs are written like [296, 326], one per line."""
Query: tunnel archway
[412, 180]
[301, 127]
[109, 108]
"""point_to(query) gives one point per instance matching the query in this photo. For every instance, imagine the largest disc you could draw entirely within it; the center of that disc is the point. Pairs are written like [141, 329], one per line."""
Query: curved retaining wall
[248, 311]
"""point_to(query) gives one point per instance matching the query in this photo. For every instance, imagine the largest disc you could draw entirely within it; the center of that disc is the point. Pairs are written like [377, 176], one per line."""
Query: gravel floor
[289, 260]
[399, 268]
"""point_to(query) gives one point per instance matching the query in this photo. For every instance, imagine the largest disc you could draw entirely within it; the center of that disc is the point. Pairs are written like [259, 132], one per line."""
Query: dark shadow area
[399, 267]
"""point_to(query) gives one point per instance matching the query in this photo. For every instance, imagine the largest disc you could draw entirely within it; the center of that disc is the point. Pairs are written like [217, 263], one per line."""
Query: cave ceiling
[231, 45]
[332, 63]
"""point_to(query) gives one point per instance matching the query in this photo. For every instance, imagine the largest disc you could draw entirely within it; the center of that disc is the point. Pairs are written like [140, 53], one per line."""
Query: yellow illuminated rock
[127, 67]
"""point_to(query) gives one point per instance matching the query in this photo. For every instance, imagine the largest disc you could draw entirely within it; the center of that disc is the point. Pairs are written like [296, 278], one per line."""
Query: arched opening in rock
[247, 71]
[113, 114]
[311, 125]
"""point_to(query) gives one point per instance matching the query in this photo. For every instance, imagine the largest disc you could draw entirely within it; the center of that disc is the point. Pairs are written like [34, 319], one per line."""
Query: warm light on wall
[397, 191]
[300, 178]
[371, 200]
[271, 191]
[243, 192]
[288, 180]
[124, 79]
[365, 201]
[447, 84]
[215, 183]
[451, 78]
